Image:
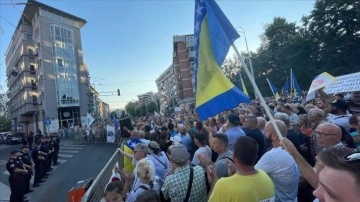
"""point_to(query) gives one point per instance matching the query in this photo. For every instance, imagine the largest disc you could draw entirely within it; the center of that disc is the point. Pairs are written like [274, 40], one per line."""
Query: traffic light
[118, 91]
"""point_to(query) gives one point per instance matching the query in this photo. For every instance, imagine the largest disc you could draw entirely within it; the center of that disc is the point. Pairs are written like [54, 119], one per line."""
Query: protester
[251, 130]
[233, 131]
[145, 174]
[114, 192]
[160, 160]
[201, 140]
[339, 179]
[148, 196]
[279, 165]
[219, 143]
[248, 183]
[186, 183]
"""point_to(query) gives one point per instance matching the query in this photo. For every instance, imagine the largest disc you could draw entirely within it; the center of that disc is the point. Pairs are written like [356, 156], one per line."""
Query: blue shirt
[233, 134]
[186, 141]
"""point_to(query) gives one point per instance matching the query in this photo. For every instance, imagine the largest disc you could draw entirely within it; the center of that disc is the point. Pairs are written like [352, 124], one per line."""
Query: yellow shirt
[252, 188]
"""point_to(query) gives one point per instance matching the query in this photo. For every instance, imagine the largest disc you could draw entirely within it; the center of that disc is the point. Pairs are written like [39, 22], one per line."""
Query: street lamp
[247, 48]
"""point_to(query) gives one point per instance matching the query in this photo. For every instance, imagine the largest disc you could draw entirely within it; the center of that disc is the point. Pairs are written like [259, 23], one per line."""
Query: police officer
[17, 177]
[56, 144]
[38, 159]
[28, 164]
[30, 139]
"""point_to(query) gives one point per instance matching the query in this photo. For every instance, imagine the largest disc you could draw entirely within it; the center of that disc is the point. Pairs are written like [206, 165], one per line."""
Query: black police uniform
[47, 163]
[30, 139]
[26, 160]
[16, 180]
[56, 144]
[38, 166]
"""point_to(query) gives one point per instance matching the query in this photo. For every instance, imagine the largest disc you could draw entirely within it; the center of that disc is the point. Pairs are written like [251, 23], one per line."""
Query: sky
[127, 44]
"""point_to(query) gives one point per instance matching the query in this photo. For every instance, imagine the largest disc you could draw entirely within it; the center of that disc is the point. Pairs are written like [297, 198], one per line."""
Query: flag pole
[271, 87]
[291, 83]
[257, 92]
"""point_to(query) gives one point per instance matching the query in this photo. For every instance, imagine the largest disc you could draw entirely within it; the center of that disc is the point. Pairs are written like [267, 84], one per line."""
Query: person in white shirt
[201, 140]
[280, 165]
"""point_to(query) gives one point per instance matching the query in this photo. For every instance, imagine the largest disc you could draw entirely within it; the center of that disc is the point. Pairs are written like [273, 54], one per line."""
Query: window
[32, 69]
[60, 62]
[34, 97]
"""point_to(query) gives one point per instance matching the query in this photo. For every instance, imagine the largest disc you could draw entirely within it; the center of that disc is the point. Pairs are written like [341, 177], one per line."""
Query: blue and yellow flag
[273, 89]
[296, 86]
[286, 88]
[129, 148]
[213, 36]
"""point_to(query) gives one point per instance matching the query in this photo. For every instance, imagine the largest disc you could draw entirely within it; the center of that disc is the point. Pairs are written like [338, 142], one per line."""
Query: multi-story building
[146, 98]
[180, 73]
[183, 63]
[167, 91]
[47, 79]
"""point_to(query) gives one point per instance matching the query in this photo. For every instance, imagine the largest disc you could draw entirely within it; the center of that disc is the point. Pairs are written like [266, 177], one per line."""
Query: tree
[131, 108]
[334, 28]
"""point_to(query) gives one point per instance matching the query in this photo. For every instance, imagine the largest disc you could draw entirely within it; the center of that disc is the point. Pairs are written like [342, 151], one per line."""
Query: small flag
[296, 87]
[286, 87]
[273, 89]
[89, 120]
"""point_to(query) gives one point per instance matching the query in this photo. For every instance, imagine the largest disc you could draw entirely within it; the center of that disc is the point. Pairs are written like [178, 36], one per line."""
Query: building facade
[47, 79]
[180, 73]
[146, 98]
[167, 89]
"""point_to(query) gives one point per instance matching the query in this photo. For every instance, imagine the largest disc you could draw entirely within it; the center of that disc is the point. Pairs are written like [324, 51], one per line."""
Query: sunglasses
[352, 157]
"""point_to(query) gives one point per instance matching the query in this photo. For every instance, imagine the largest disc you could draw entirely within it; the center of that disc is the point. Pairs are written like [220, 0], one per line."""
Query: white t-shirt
[202, 150]
[284, 172]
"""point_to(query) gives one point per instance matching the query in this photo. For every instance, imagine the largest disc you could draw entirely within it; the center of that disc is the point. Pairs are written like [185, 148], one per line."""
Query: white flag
[89, 120]
[110, 134]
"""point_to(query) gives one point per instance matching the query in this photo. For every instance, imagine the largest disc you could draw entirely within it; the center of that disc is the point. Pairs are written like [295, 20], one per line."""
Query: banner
[345, 83]
[110, 134]
[322, 80]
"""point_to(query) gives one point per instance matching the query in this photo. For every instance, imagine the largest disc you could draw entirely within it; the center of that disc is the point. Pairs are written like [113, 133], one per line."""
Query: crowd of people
[31, 160]
[238, 155]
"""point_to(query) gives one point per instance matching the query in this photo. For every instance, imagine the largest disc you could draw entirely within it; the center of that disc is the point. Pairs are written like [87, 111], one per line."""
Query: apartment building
[180, 73]
[167, 89]
[47, 79]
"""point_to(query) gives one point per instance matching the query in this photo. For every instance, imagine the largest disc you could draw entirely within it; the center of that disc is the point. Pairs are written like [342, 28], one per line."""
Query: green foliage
[327, 40]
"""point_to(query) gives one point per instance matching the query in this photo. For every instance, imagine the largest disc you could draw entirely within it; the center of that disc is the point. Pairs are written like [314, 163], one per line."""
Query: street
[77, 162]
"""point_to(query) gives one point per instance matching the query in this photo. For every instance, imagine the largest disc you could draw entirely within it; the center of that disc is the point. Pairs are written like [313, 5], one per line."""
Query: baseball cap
[179, 154]
[153, 145]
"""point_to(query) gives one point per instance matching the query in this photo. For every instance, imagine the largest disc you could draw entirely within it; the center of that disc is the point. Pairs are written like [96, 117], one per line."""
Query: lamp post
[247, 48]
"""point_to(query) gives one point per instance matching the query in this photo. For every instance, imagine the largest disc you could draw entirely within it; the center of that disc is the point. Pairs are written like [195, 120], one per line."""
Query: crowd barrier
[95, 192]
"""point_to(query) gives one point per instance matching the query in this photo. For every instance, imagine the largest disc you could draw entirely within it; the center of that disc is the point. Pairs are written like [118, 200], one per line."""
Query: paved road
[77, 162]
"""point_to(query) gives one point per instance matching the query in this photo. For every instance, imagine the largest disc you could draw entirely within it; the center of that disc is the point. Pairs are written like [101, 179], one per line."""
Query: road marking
[68, 151]
[66, 155]
[4, 192]
[61, 160]
[74, 145]
[6, 173]
[2, 162]
[68, 147]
